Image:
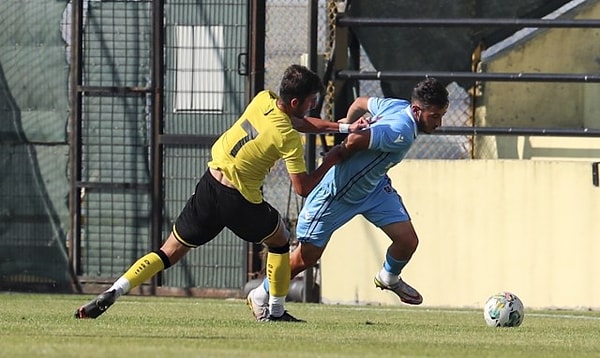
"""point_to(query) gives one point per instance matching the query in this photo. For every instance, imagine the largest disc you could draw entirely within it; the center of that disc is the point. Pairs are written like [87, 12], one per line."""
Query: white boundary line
[132, 301]
[460, 311]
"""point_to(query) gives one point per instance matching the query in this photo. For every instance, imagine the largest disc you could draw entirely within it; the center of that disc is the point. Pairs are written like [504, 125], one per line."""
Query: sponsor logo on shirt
[400, 139]
[307, 215]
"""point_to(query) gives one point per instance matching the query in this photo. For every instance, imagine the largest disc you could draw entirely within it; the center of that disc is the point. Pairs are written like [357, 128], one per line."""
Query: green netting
[33, 147]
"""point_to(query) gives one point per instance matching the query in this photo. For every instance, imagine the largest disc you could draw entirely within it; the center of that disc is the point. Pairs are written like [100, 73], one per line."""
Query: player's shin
[278, 274]
[142, 270]
[391, 269]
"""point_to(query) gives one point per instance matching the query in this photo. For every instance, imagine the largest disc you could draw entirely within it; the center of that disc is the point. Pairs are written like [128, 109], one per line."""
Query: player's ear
[416, 109]
[294, 103]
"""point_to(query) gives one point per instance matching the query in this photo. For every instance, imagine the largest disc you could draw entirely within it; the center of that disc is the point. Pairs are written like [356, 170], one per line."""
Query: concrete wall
[531, 227]
[528, 226]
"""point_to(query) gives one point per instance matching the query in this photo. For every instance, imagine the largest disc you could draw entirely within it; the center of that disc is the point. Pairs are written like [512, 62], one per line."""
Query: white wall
[531, 227]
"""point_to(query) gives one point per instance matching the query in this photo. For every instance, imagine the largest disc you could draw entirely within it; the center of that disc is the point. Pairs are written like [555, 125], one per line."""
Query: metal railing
[346, 21]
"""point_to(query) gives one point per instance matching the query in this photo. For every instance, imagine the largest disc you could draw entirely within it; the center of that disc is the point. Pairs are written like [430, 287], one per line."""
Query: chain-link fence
[111, 195]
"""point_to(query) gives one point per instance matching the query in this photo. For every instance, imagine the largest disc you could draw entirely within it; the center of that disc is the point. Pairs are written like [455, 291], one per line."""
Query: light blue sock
[266, 285]
[259, 295]
[392, 265]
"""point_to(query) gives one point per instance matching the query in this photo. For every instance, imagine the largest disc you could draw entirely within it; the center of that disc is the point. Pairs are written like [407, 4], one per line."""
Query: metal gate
[153, 83]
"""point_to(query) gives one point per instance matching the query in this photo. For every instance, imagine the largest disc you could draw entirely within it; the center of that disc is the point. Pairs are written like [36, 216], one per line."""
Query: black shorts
[215, 206]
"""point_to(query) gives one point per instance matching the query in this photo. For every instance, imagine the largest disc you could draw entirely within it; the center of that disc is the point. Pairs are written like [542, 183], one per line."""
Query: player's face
[300, 109]
[428, 119]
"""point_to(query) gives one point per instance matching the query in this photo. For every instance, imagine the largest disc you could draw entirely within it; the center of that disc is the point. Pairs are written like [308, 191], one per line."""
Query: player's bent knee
[279, 249]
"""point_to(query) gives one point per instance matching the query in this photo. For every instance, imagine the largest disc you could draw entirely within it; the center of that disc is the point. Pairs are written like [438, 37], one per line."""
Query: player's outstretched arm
[304, 183]
[318, 125]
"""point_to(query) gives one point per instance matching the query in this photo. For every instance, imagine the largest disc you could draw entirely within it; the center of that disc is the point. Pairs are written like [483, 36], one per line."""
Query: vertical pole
[256, 43]
[341, 62]
[74, 239]
[309, 292]
[256, 82]
[353, 64]
[156, 154]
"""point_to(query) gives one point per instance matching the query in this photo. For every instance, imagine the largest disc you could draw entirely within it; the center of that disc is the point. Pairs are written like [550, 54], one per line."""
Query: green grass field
[36, 325]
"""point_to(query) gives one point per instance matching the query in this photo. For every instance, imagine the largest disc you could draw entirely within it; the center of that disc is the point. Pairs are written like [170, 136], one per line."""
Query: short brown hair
[299, 82]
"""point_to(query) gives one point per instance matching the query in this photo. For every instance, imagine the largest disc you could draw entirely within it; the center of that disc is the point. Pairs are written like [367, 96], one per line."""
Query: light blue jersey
[391, 138]
[360, 185]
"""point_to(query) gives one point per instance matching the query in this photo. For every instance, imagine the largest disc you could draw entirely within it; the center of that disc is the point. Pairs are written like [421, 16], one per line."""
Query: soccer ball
[503, 309]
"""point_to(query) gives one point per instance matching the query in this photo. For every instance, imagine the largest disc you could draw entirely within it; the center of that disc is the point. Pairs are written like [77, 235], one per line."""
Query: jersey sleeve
[390, 139]
[377, 105]
[292, 153]
[390, 136]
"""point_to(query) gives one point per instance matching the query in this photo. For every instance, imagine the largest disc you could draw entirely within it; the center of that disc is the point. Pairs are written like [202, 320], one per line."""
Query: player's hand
[359, 124]
[338, 153]
[334, 154]
[374, 119]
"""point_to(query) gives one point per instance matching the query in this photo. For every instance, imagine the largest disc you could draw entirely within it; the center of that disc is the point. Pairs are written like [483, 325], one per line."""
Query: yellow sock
[278, 273]
[144, 269]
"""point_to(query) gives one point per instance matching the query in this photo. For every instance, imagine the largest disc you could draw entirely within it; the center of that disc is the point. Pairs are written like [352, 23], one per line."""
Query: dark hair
[430, 92]
[299, 82]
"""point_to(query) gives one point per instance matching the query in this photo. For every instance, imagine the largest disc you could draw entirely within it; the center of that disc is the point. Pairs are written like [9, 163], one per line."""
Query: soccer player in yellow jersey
[229, 193]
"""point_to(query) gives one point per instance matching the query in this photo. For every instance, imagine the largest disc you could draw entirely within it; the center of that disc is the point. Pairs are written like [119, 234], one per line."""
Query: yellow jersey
[247, 151]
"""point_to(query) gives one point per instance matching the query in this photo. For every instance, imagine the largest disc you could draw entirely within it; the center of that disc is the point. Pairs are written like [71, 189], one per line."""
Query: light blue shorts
[321, 214]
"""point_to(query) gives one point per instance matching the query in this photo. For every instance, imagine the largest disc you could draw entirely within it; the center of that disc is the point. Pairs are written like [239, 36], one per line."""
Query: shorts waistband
[213, 181]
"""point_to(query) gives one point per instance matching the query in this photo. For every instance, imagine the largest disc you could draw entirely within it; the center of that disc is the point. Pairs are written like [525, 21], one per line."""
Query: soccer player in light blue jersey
[360, 185]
